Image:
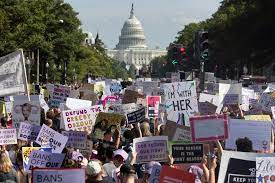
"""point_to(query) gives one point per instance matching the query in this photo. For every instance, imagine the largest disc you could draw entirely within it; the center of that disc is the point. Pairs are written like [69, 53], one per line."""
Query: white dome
[132, 34]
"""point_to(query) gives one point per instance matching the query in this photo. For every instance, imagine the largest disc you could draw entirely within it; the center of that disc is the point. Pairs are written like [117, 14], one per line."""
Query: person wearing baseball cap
[95, 173]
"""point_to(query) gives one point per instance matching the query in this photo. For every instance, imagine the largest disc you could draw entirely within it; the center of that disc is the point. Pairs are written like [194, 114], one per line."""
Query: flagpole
[25, 74]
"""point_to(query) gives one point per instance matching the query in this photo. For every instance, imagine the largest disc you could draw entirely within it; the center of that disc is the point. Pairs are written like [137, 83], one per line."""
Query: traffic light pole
[202, 75]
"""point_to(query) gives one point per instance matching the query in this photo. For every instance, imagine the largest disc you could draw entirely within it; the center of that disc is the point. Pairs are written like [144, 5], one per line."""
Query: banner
[81, 119]
[173, 175]
[55, 140]
[239, 166]
[59, 95]
[259, 132]
[26, 152]
[177, 132]
[25, 111]
[136, 116]
[73, 103]
[187, 153]
[76, 139]
[28, 132]
[151, 149]
[209, 128]
[265, 169]
[13, 74]
[181, 100]
[257, 117]
[44, 159]
[8, 136]
[68, 175]
[153, 106]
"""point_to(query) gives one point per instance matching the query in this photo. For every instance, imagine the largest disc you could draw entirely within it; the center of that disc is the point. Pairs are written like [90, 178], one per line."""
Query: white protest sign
[115, 87]
[259, 132]
[81, 119]
[273, 111]
[125, 108]
[213, 99]
[175, 77]
[229, 89]
[55, 140]
[28, 132]
[229, 99]
[181, 101]
[68, 175]
[76, 139]
[44, 159]
[59, 95]
[267, 100]
[25, 111]
[13, 74]
[73, 103]
[8, 106]
[43, 103]
[148, 87]
[154, 177]
[265, 169]
[8, 136]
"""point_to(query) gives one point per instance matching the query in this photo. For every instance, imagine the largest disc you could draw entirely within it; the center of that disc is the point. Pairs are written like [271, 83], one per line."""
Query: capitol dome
[132, 34]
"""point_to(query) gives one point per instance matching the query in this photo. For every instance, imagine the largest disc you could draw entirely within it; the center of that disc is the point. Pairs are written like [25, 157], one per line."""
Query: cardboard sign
[25, 111]
[257, 117]
[153, 106]
[136, 116]
[73, 103]
[26, 152]
[209, 128]
[8, 136]
[68, 175]
[28, 132]
[110, 118]
[206, 108]
[174, 175]
[59, 95]
[13, 74]
[187, 153]
[151, 149]
[177, 132]
[55, 140]
[264, 169]
[75, 139]
[154, 177]
[81, 119]
[44, 159]
[181, 99]
[259, 132]
[239, 166]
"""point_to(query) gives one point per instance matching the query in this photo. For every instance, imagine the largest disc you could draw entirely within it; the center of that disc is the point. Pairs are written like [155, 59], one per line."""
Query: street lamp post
[47, 67]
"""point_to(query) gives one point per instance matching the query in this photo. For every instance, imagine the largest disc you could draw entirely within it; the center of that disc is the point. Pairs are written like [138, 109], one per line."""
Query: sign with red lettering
[59, 95]
[151, 149]
[173, 175]
[81, 119]
[180, 101]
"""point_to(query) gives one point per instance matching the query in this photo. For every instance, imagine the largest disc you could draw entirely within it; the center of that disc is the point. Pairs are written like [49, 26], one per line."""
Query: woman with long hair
[7, 172]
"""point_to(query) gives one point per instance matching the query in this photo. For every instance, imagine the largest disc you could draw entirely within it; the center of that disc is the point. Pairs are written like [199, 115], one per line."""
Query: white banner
[13, 74]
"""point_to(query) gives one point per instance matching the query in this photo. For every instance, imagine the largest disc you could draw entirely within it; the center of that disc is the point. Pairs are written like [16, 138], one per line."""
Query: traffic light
[204, 45]
[177, 53]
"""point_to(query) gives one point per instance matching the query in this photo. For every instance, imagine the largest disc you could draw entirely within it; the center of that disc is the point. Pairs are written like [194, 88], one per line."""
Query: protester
[7, 172]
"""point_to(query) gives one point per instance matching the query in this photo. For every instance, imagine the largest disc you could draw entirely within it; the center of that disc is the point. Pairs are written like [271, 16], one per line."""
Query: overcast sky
[161, 19]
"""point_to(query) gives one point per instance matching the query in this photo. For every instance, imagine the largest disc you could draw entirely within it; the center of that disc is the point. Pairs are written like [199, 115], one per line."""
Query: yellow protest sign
[257, 117]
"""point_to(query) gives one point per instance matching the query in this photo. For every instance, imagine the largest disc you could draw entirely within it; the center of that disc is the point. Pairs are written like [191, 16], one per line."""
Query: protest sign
[148, 87]
[43, 103]
[109, 118]
[229, 89]
[28, 132]
[206, 108]
[181, 99]
[73, 103]
[257, 117]
[125, 108]
[267, 101]
[187, 153]
[213, 99]
[175, 77]
[55, 140]
[259, 132]
[273, 112]
[210, 76]
[136, 116]
[9, 107]
[13, 78]
[26, 111]
[59, 95]
[265, 169]
[75, 139]
[130, 96]
[81, 119]
[99, 86]
[8, 136]
[141, 102]
[151, 148]
[44, 159]
[229, 99]
[68, 175]
[239, 166]
[173, 175]
[26, 152]
[153, 106]
[111, 100]
[154, 177]
[177, 132]
[209, 128]
[115, 87]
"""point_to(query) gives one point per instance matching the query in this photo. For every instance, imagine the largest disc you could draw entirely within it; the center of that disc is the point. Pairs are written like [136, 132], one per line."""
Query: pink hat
[122, 153]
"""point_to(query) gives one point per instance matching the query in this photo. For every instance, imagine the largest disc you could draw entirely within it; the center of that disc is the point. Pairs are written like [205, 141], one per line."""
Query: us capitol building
[132, 48]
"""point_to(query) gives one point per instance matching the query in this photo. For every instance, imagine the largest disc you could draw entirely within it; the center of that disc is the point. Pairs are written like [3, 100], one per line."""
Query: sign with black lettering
[68, 175]
[154, 177]
[76, 139]
[52, 138]
[180, 101]
[28, 132]
[187, 153]
[136, 116]
[8, 136]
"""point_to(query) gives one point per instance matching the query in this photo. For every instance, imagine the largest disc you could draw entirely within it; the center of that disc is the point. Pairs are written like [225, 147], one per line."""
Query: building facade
[132, 48]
